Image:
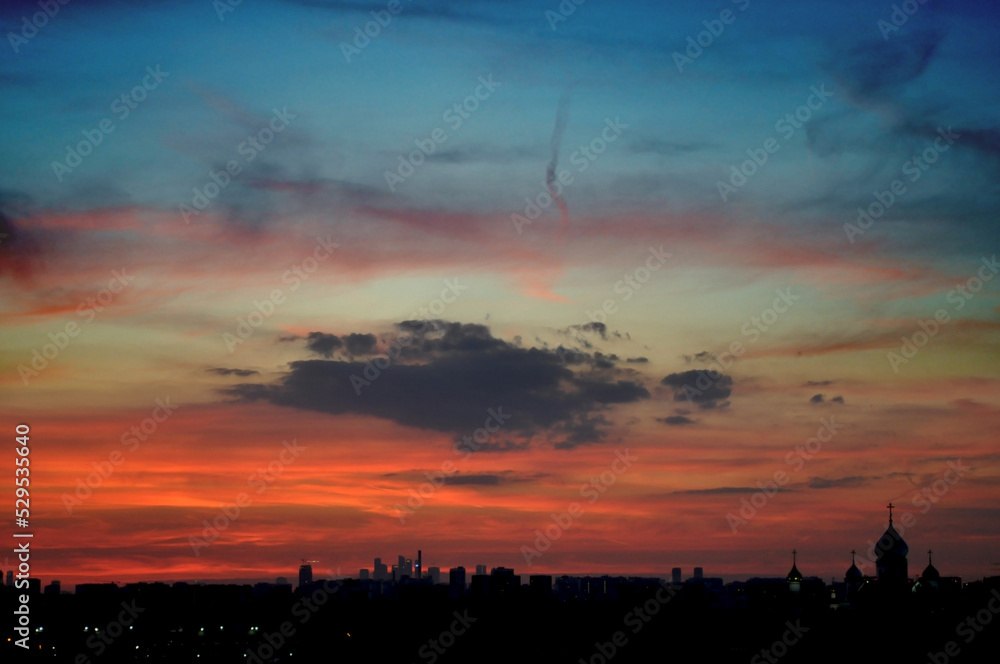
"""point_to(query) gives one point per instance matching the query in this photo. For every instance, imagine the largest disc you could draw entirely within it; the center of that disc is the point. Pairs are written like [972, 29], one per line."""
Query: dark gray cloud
[664, 148]
[19, 250]
[483, 153]
[873, 71]
[242, 373]
[707, 389]
[704, 357]
[491, 479]
[360, 344]
[326, 345]
[723, 490]
[443, 376]
[322, 343]
[675, 420]
[824, 483]
[816, 398]
[637, 360]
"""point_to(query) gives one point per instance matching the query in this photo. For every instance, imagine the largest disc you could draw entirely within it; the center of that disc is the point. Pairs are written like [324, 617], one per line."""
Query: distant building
[380, 571]
[480, 569]
[10, 577]
[435, 575]
[479, 586]
[540, 585]
[363, 574]
[890, 564]
[305, 575]
[675, 575]
[794, 577]
[699, 573]
[53, 588]
[853, 580]
[456, 582]
[404, 567]
[503, 582]
[281, 581]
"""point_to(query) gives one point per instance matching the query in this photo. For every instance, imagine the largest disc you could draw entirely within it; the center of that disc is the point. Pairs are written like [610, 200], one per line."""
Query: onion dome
[794, 574]
[853, 574]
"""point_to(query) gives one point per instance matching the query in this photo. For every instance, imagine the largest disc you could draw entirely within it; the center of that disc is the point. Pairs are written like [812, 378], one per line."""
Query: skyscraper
[456, 582]
[381, 571]
[675, 575]
[305, 575]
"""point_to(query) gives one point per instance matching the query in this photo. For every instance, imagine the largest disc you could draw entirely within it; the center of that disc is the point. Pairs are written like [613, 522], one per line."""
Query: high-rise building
[503, 582]
[480, 569]
[540, 585]
[363, 574]
[404, 567]
[10, 577]
[456, 582]
[380, 572]
[281, 581]
[435, 575]
[699, 573]
[305, 575]
[420, 561]
[675, 575]
[53, 588]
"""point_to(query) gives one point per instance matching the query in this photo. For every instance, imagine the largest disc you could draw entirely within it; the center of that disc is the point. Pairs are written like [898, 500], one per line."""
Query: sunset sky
[689, 235]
